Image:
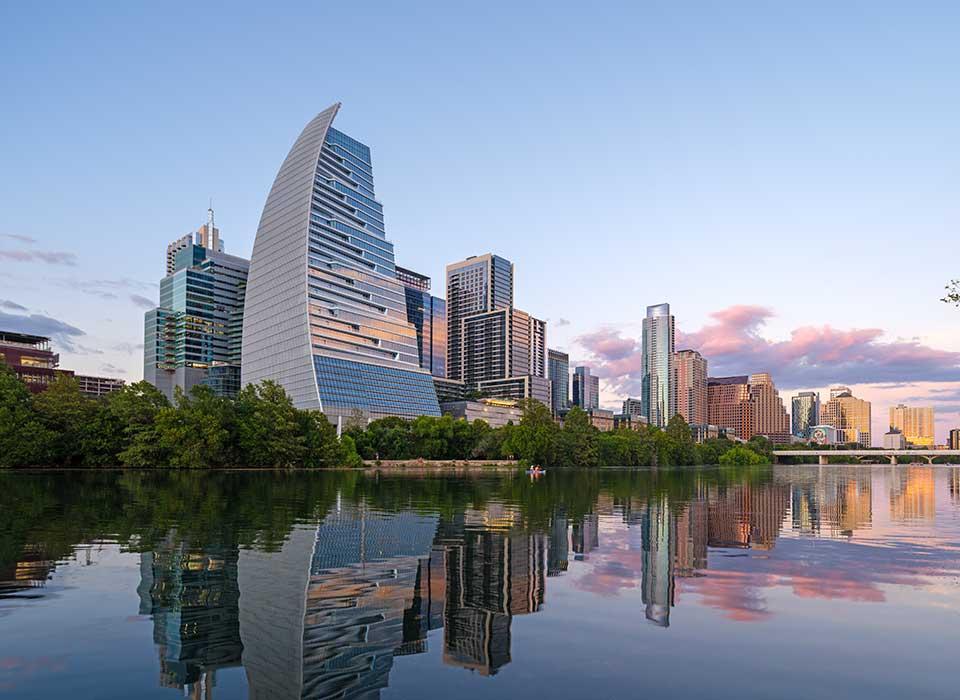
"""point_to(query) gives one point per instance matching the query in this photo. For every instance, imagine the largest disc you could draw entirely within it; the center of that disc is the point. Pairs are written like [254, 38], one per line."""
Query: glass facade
[199, 320]
[559, 373]
[322, 220]
[658, 394]
[804, 413]
[347, 386]
[428, 314]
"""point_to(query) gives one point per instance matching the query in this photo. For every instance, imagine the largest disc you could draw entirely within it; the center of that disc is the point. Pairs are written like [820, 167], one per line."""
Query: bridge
[893, 455]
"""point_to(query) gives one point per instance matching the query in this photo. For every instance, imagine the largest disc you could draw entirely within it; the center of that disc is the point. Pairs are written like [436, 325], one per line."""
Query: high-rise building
[491, 345]
[559, 375]
[804, 413]
[197, 325]
[586, 389]
[916, 424]
[690, 380]
[479, 284]
[428, 314]
[954, 439]
[501, 344]
[748, 405]
[325, 314]
[849, 415]
[658, 395]
[633, 408]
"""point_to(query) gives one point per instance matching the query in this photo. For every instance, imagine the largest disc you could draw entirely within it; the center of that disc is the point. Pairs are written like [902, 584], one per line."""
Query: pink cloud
[812, 356]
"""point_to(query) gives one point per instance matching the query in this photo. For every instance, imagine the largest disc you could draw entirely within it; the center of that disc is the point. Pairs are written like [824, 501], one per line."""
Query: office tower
[193, 597]
[916, 424]
[849, 415]
[479, 284]
[196, 327]
[428, 314]
[586, 389]
[690, 380]
[633, 408]
[954, 439]
[559, 375]
[658, 395]
[748, 405]
[804, 413]
[501, 344]
[325, 314]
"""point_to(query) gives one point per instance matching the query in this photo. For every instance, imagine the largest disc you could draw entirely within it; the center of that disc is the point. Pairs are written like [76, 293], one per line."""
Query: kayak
[536, 472]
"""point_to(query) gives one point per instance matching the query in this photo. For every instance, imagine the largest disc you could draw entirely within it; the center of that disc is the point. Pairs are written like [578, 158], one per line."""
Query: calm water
[785, 582]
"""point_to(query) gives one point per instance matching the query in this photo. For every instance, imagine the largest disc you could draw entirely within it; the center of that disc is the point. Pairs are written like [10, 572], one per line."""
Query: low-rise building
[95, 387]
[894, 440]
[30, 357]
[495, 412]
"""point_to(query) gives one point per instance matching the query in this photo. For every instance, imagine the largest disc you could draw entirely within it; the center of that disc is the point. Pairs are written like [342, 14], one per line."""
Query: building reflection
[912, 493]
[193, 597]
[330, 612]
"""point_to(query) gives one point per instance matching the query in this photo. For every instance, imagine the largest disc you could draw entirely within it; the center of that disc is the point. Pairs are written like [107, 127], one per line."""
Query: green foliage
[742, 457]
[137, 427]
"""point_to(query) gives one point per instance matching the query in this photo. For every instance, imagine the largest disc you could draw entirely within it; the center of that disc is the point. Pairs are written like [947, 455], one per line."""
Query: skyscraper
[804, 413]
[748, 405]
[658, 395]
[479, 284]
[690, 380]
[916, 424]
[194, 335]
[326, 316]
[428, 314]
[586, 389]
[953, 440]
[559, 373]
[633, 408]
[849, 415]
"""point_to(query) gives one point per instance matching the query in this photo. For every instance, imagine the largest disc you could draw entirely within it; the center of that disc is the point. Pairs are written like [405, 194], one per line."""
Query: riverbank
[440, 466]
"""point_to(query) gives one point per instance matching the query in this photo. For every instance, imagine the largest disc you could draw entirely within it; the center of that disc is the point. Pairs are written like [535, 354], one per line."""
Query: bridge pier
[824, 460]
[929, 458]
[893, 459]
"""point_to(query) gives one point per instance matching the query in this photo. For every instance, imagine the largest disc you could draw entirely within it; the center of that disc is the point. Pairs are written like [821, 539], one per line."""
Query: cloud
[561, 322]
[812, 356]
[109, 289]
[112, 369]
[18, 237]
[51, 257]
[142, 301]
[128, 348]
[38, 324]
[12, 305]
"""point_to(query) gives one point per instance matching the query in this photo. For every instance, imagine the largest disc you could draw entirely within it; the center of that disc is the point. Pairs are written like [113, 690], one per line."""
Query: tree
[198, 431]
[533, 440]
[269, 429]
[741, 456]
[70, 417]
[577, 445]
[953, 293]
[24, 440]
[679, 442]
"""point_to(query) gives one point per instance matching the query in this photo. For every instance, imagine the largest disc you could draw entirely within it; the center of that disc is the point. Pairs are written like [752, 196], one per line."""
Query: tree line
[137, 427]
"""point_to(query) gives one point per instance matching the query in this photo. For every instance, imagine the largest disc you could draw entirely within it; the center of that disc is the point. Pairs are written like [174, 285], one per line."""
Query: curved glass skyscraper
[325, 315]
[658, 393]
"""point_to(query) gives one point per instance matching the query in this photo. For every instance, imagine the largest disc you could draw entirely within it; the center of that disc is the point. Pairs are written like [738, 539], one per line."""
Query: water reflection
[316, 585]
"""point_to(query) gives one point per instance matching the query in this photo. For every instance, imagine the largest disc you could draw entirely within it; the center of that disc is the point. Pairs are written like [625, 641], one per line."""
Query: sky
[783, 174]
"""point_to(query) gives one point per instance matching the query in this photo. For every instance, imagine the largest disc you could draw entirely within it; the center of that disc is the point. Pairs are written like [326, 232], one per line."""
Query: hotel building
[916, 424]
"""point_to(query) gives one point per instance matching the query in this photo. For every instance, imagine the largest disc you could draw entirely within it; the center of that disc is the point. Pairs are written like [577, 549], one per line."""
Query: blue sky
[800, 157]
